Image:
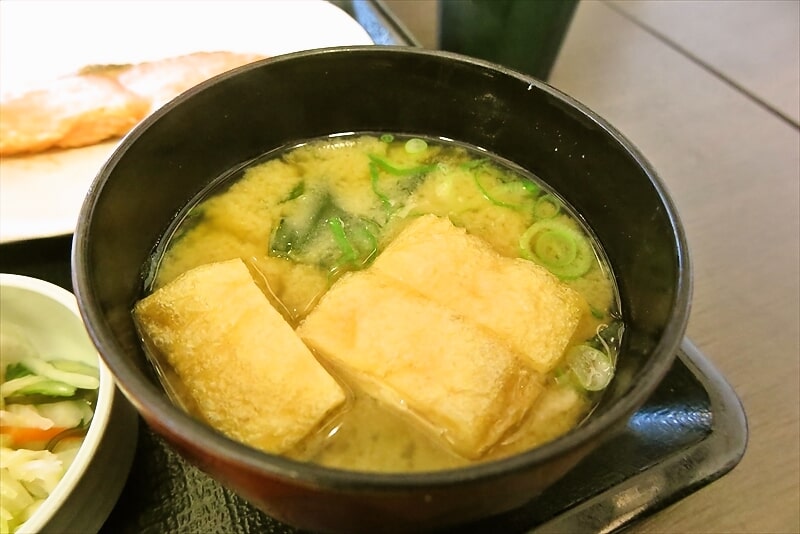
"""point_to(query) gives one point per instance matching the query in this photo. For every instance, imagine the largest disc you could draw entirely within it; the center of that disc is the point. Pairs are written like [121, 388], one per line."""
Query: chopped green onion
[397, 171]
[530, 187]
[563, 251]
[556, 248]
[489, 197]
[387, 138]
[520, 188]
[364, 240]
[373, 175]
[592, 368]
[473, 164]
[357, 249]
[513, 190]
[546, 207]
[337, 229]
[416, 146]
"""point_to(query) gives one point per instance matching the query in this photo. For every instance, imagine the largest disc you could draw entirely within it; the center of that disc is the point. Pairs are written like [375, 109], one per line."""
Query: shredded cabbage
[42, 405]
[26, 479]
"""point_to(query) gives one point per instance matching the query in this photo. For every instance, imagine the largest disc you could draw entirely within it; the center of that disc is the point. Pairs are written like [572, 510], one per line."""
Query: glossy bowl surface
[47, 316]
[234, 118]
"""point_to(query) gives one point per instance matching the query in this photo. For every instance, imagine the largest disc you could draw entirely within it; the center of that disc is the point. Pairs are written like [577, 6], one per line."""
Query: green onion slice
[387, 138]
[546, 207]
[592, 368]
[522, 187]
[340, 237]
[385, 166]
[562, 250]
[511, 194]
[416, 146]
[473, 164]
[556, 249]
[373, 175]
[356, 243]
[490, 197]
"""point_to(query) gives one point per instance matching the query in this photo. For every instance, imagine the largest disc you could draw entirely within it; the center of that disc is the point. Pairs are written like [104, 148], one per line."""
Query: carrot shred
[21, 435]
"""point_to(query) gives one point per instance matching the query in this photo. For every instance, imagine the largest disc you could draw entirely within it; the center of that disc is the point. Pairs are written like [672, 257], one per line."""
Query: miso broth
[304, 216]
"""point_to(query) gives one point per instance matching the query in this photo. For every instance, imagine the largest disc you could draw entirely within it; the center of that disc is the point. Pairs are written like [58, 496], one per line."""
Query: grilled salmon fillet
[70, 112]
[161, 81]
[102, 101]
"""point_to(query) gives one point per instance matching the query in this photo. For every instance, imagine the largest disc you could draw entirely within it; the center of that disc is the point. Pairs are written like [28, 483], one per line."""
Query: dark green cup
[525, 35]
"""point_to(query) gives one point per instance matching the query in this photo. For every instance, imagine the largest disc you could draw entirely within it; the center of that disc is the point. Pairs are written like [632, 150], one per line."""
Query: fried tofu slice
[523, 303]
[248, 373]
[417, 356]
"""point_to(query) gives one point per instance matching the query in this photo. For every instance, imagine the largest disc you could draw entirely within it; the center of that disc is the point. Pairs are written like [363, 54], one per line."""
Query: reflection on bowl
[78, 482]
[238, 117]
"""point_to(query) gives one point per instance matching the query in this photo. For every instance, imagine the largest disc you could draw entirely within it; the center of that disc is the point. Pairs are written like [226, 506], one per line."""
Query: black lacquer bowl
[239, 116]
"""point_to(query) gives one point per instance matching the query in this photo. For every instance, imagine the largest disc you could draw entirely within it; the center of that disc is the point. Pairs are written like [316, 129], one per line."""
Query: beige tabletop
[709, 92]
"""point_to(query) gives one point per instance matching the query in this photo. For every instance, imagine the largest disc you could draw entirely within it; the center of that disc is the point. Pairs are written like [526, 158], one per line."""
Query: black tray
[691, 431]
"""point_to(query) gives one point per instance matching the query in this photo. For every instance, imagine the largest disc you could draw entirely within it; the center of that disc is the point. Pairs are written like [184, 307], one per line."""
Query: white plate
[41, 195]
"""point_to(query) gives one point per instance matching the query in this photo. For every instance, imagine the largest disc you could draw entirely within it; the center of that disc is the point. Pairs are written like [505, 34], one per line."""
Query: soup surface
[307, 218]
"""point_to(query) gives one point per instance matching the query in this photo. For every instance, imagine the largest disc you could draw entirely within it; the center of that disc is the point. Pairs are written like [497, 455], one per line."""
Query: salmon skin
[102, 102]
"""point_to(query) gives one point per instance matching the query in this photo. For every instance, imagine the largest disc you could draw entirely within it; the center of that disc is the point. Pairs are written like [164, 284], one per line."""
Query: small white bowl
[48, 317]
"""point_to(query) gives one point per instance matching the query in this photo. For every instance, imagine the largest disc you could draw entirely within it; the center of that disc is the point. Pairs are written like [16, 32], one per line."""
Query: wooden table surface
[709, 92]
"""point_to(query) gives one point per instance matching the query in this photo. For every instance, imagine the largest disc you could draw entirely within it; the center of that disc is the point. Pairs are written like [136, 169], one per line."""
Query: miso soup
[313, 219]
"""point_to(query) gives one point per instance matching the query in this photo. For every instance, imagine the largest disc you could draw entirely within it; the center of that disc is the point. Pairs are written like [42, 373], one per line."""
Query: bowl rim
[185, 430]
[102, 411]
